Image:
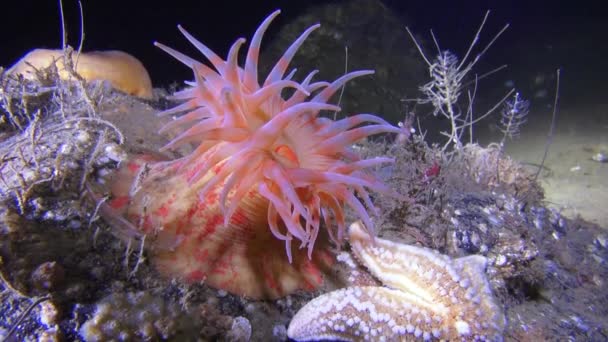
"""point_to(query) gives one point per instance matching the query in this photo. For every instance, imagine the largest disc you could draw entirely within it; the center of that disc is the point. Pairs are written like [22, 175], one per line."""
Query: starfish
[425, 295]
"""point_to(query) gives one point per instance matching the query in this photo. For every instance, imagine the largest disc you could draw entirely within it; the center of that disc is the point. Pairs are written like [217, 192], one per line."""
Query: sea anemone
[264, 171]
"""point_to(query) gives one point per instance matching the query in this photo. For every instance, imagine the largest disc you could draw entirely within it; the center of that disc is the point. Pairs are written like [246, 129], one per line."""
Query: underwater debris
[60, 138]
[137, 315]
[21, 100]
[601, 157]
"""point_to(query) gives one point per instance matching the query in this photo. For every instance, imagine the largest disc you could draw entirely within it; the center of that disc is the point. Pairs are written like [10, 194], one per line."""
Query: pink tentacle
[217, 62]
[250, 77]
[279, 69]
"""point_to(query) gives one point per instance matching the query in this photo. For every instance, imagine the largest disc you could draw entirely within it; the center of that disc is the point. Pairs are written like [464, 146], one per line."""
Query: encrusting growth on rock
[124, 72]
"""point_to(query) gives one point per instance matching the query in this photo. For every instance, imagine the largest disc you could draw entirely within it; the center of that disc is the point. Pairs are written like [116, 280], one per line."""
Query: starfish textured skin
[427, 296]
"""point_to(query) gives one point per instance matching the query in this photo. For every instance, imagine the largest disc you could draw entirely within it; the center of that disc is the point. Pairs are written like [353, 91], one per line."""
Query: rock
[375, 38]
[48, 276]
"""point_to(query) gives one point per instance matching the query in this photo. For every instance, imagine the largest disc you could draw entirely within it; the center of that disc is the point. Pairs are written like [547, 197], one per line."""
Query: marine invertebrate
[124, 72]
[447, 82]
[266, 171]
[513, 116]
[427, 295]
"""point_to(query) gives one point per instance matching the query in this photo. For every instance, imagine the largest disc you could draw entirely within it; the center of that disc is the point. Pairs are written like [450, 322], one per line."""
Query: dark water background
[543, 36]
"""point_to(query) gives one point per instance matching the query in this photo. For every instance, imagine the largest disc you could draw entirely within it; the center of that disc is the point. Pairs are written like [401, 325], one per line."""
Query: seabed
[67, 274]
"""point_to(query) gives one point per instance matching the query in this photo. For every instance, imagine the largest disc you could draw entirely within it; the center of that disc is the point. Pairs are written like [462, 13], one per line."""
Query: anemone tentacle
[265, 167]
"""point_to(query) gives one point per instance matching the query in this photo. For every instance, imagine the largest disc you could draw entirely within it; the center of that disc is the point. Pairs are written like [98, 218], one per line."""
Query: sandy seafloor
[573, 181]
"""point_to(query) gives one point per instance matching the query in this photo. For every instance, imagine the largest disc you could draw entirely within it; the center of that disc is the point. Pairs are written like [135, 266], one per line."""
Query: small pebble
[49, 313]
[51, 335]
[48, 276]
[240, 330]
[279, 332]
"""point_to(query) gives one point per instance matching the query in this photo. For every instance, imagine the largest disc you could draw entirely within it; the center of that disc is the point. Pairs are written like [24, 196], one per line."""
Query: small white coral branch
[445, 87]
[514, 114]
